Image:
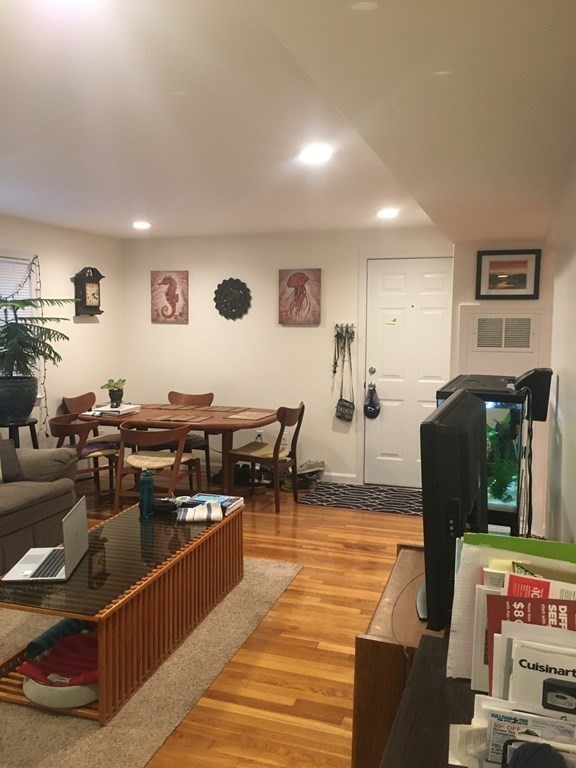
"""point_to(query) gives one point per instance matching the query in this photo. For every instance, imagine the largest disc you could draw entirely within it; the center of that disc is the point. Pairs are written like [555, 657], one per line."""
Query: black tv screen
[454, 498]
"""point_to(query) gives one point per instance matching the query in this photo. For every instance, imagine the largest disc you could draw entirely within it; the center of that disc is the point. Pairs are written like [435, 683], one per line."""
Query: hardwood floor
[285, 699]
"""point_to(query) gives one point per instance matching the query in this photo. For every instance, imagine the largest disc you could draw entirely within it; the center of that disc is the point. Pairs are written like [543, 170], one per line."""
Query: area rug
[379, 498]
[31, 738]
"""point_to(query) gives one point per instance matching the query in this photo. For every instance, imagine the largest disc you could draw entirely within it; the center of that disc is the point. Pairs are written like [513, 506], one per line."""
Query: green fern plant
[502, 462]
[26, 339]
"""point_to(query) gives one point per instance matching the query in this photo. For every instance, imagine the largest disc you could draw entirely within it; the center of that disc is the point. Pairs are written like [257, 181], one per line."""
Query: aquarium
[504, 427]
[503, 454]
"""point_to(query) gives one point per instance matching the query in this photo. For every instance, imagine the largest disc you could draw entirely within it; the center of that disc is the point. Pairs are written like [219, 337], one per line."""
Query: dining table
[222, 420]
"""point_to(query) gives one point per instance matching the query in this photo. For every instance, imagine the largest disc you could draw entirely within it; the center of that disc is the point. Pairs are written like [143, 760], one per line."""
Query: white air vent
[503, 333]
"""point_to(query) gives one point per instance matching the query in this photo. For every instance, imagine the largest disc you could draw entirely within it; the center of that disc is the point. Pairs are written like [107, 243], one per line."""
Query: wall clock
[232, 298]
[87, 291]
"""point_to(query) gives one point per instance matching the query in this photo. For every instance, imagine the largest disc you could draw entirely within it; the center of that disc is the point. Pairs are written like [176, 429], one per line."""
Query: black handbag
[344, 409]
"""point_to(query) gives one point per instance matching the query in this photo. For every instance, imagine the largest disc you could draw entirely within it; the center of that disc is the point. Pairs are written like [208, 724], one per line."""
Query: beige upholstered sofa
[31, 509]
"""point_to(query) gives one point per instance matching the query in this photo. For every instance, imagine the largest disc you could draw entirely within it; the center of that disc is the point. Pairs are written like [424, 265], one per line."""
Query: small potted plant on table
[115, 389]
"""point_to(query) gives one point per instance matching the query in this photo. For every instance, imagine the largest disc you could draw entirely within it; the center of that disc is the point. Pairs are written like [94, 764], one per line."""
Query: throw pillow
[9, 465]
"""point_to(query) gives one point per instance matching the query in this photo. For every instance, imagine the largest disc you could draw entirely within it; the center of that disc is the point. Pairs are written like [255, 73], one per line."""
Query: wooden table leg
[227, 465]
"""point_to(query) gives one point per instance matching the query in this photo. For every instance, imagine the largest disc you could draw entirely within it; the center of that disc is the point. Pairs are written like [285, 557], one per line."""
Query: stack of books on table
[228, 503]
[106, 410]
[513, 634]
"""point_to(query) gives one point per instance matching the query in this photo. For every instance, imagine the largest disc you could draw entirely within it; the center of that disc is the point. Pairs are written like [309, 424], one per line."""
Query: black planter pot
[17, 397]
[116, 396]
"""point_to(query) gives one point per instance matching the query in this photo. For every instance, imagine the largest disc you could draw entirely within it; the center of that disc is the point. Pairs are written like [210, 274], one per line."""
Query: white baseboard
[339, 477]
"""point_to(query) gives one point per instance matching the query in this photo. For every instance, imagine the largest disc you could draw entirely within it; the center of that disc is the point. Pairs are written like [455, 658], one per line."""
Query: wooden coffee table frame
[143, 627]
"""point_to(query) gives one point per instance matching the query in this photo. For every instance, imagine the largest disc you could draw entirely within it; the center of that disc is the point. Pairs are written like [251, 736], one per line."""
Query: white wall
[507, 363]
[562, 461]
[94, 351]
[254, 360]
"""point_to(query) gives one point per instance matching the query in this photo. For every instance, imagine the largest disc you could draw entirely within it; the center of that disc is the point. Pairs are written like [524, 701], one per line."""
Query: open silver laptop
[56, 563]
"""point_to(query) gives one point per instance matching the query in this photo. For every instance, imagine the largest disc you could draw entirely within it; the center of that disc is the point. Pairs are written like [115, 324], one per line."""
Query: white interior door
[409, 310]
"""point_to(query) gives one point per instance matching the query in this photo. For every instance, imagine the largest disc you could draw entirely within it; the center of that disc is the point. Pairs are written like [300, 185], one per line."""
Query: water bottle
[146, 494]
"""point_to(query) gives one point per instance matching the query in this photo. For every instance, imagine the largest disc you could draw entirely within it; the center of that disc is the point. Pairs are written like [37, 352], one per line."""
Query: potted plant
[25, 340]
[115, 389]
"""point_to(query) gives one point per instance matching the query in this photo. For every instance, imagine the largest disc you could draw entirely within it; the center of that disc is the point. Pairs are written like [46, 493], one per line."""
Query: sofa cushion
[46, 464]
[27, 502]
[10, 470]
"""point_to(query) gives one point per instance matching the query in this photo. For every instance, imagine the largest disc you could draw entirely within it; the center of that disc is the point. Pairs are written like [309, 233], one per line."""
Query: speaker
[538, 382]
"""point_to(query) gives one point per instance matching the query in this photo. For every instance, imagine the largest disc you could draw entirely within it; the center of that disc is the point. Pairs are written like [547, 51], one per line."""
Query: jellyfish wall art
[299, 296]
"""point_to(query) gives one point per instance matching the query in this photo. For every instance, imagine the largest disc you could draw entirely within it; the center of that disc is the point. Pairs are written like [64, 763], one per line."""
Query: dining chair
[72, 432]
[160, 448]
[195, 441]
[275, 455]
[81, 404]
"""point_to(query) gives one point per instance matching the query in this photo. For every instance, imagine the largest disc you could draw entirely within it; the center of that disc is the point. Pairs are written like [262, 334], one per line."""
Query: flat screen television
[454, 497]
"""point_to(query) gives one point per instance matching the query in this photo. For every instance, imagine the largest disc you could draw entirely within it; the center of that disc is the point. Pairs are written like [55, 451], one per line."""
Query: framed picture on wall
[169, 296]
[508, 274]
[299, 296]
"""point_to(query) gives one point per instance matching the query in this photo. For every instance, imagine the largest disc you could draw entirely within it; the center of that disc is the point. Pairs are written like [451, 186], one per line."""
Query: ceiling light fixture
[141, 225]
[388, 213]
[316, 154]
[364, 5]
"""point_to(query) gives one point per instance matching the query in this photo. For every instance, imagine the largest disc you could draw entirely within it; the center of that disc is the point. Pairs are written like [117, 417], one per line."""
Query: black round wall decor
[232, 298]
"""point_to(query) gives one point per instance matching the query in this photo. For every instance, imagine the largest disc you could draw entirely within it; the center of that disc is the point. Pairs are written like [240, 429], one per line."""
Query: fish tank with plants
[503, 448]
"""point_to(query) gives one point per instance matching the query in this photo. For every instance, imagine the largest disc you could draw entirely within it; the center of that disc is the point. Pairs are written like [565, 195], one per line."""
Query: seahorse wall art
[169, 296]
[299, 296]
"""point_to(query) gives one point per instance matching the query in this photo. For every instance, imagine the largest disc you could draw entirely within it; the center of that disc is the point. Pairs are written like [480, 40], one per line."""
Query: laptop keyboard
[52, 565]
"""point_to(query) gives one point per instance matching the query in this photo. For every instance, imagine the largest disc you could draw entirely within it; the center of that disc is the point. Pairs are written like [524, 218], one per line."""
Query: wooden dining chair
[275, 455]
[159, 448]
[195, 441]
[81, 404]
[72, 432]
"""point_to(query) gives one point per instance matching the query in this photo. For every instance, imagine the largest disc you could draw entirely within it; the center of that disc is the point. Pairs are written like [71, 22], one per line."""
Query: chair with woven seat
[81, 404]
[275, 455]
[160, 448]
[72, 432]
[195, 441]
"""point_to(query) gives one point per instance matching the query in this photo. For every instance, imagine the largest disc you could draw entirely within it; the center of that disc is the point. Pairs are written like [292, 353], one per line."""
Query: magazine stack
[513, 634]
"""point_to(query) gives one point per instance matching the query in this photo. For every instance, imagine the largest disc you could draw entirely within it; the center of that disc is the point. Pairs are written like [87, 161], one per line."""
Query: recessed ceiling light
[316, 154]
[364, 5]
[141, 225]
[388, 213]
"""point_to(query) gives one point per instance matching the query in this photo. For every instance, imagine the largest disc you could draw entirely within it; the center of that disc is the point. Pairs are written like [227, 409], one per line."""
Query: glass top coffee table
[146, 585]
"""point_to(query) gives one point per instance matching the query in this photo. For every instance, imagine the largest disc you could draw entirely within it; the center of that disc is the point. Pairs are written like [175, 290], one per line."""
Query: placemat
[249, 415]
[186, 418]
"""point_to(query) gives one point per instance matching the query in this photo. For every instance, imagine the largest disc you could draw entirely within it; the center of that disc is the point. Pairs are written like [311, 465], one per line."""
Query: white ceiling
[190, 113]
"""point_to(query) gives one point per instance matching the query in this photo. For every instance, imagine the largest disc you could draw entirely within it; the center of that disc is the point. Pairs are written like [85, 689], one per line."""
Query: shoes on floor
[310, 466]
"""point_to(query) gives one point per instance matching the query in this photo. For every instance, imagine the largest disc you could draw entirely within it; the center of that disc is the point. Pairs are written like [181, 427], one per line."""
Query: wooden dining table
[222, 420]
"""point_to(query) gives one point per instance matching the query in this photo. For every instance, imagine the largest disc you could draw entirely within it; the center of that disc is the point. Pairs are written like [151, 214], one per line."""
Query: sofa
[36, 492]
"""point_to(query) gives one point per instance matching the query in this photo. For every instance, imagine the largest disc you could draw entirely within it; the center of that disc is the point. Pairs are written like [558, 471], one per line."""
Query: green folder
[556, 550]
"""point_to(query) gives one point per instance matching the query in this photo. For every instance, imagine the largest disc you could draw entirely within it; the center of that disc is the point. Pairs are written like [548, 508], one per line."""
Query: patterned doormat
[379, 498]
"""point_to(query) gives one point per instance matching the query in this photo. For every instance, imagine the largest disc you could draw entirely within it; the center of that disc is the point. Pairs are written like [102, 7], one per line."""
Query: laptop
[56, 563]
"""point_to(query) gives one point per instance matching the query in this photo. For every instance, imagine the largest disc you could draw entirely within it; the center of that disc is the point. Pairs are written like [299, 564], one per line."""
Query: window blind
[15, 280]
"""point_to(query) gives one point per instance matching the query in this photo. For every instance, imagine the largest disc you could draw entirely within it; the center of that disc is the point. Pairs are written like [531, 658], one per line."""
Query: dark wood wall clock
[87, 291]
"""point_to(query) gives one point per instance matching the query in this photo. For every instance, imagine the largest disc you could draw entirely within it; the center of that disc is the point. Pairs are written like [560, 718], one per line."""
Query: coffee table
[145, 585]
